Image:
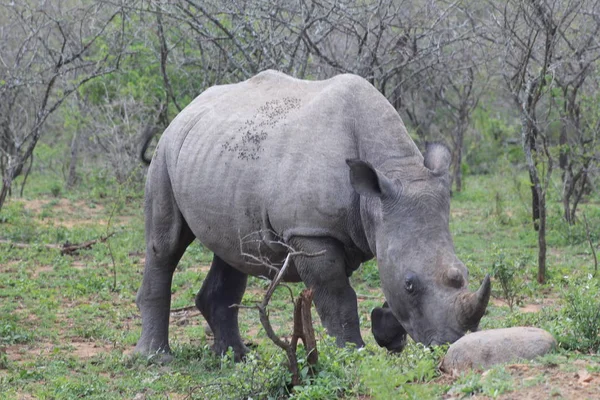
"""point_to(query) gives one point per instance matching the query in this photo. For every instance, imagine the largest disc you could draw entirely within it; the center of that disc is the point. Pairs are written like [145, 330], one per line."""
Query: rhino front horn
[473, 305]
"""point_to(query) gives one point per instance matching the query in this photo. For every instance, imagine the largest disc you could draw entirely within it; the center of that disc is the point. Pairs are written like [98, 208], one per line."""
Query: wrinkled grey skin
[251, 168]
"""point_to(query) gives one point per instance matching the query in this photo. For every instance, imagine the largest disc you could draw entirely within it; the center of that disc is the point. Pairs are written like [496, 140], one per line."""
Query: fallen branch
[187, 308]
[65, 248]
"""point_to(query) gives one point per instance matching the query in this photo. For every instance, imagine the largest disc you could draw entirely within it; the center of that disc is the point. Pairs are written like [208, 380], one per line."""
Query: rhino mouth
[391, 334]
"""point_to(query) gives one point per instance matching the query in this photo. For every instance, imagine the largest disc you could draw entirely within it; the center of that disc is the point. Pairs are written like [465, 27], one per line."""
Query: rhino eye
[410, 283]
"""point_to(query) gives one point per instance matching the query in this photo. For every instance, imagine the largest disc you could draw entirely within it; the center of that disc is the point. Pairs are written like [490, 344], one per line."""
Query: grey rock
[483, 349]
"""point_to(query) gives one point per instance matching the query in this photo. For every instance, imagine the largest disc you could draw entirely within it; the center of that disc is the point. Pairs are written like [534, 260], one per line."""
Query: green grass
[69, 322]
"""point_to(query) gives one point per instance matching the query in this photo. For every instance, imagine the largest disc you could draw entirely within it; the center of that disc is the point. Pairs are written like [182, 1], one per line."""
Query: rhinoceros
[322, 169]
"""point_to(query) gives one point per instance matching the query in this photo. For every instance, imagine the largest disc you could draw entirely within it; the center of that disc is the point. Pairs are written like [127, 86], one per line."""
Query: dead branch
[303, 328]
[182, 309]
[65, 248]
[260, 259]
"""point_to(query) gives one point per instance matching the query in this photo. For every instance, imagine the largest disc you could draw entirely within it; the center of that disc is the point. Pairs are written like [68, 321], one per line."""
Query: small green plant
[55, 189]
[386, 377]
[499, 210]
[507, 273]
[4, 363]
[11, 333]
[581, 327]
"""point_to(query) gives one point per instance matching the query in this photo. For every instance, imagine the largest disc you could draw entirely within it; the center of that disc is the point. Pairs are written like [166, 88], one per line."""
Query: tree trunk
[535, 200]
[460, 134]
[567, 173]
[6, 185]
[11, 171]
[567, 192]
[72, 177]
[541, 277]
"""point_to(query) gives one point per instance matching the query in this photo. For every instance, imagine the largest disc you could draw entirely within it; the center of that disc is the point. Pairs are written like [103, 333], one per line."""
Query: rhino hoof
[157, 357]
[239, 352]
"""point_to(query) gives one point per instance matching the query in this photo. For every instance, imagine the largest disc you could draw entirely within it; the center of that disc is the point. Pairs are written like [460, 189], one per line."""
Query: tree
[537, 38]
[576, 91]
[49, 51]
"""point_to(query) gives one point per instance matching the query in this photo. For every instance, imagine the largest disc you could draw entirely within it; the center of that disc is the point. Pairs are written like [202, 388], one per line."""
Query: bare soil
[542, 382]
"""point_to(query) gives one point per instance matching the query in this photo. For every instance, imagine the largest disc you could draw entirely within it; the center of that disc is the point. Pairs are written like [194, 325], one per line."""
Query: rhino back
[268, 155]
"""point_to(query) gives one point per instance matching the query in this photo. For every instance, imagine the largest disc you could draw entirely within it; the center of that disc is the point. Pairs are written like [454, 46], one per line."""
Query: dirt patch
[84, 350]
[79, 265]
[70, 214]
[551, 382]
[25, 396]
[541, 382]
[21, 352]
[40, 269]
[530, 308]
[536, 306]
[10, 267]
[78, 347]
[64, 206]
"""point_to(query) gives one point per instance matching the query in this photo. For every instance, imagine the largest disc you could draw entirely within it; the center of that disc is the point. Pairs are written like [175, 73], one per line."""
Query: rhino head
[406, 219]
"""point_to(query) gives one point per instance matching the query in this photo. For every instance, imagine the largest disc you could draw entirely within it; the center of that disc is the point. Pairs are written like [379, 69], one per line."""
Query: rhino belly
[246, 215]
[276, 165]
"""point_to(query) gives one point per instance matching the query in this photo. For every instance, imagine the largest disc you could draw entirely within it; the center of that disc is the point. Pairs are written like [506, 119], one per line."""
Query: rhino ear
[369, 182]
[437, 158]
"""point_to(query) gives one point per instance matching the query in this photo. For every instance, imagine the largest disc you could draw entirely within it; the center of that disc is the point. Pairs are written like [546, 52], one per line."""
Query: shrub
[580, 328]
[508, 273]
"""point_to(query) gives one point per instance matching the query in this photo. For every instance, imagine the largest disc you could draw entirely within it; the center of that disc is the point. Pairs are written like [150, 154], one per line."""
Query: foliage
[388, 377]
[493, 139]
[493, 384]
[508, 273]
[581, 314]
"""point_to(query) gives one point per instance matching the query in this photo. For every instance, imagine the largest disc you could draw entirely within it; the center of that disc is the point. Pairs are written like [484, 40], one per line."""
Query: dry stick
[303, 327]
[302, 322]
[66, 248]
[589, 238]
[187, 308]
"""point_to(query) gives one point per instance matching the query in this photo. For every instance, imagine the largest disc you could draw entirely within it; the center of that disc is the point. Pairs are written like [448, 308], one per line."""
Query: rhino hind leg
[222, 287]
[327, 274]
[167, 237]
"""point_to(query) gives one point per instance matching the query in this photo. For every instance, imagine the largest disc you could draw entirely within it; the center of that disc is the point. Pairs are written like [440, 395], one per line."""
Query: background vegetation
[512, 88]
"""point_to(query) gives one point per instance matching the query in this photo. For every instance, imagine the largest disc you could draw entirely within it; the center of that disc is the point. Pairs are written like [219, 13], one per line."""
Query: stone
[483, 349]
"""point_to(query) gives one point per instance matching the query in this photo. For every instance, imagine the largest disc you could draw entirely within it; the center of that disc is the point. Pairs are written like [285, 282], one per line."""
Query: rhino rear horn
[437, 158]
[472, 305]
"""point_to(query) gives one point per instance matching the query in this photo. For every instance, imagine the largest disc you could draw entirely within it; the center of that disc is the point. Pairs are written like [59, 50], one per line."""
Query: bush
[580, 328]
[508, 273]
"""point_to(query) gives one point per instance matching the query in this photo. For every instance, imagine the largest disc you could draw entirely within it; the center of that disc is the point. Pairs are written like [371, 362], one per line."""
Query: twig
[276, 281]
[65, 248]
[265, 261]
[589, 238]
[188, 308]
[303, 328]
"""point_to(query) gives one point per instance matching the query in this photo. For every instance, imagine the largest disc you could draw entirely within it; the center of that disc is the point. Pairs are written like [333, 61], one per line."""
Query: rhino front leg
[327, 274]
[222, 287]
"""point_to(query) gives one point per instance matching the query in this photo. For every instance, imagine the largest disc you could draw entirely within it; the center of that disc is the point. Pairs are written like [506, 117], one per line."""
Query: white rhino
[275, 163]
